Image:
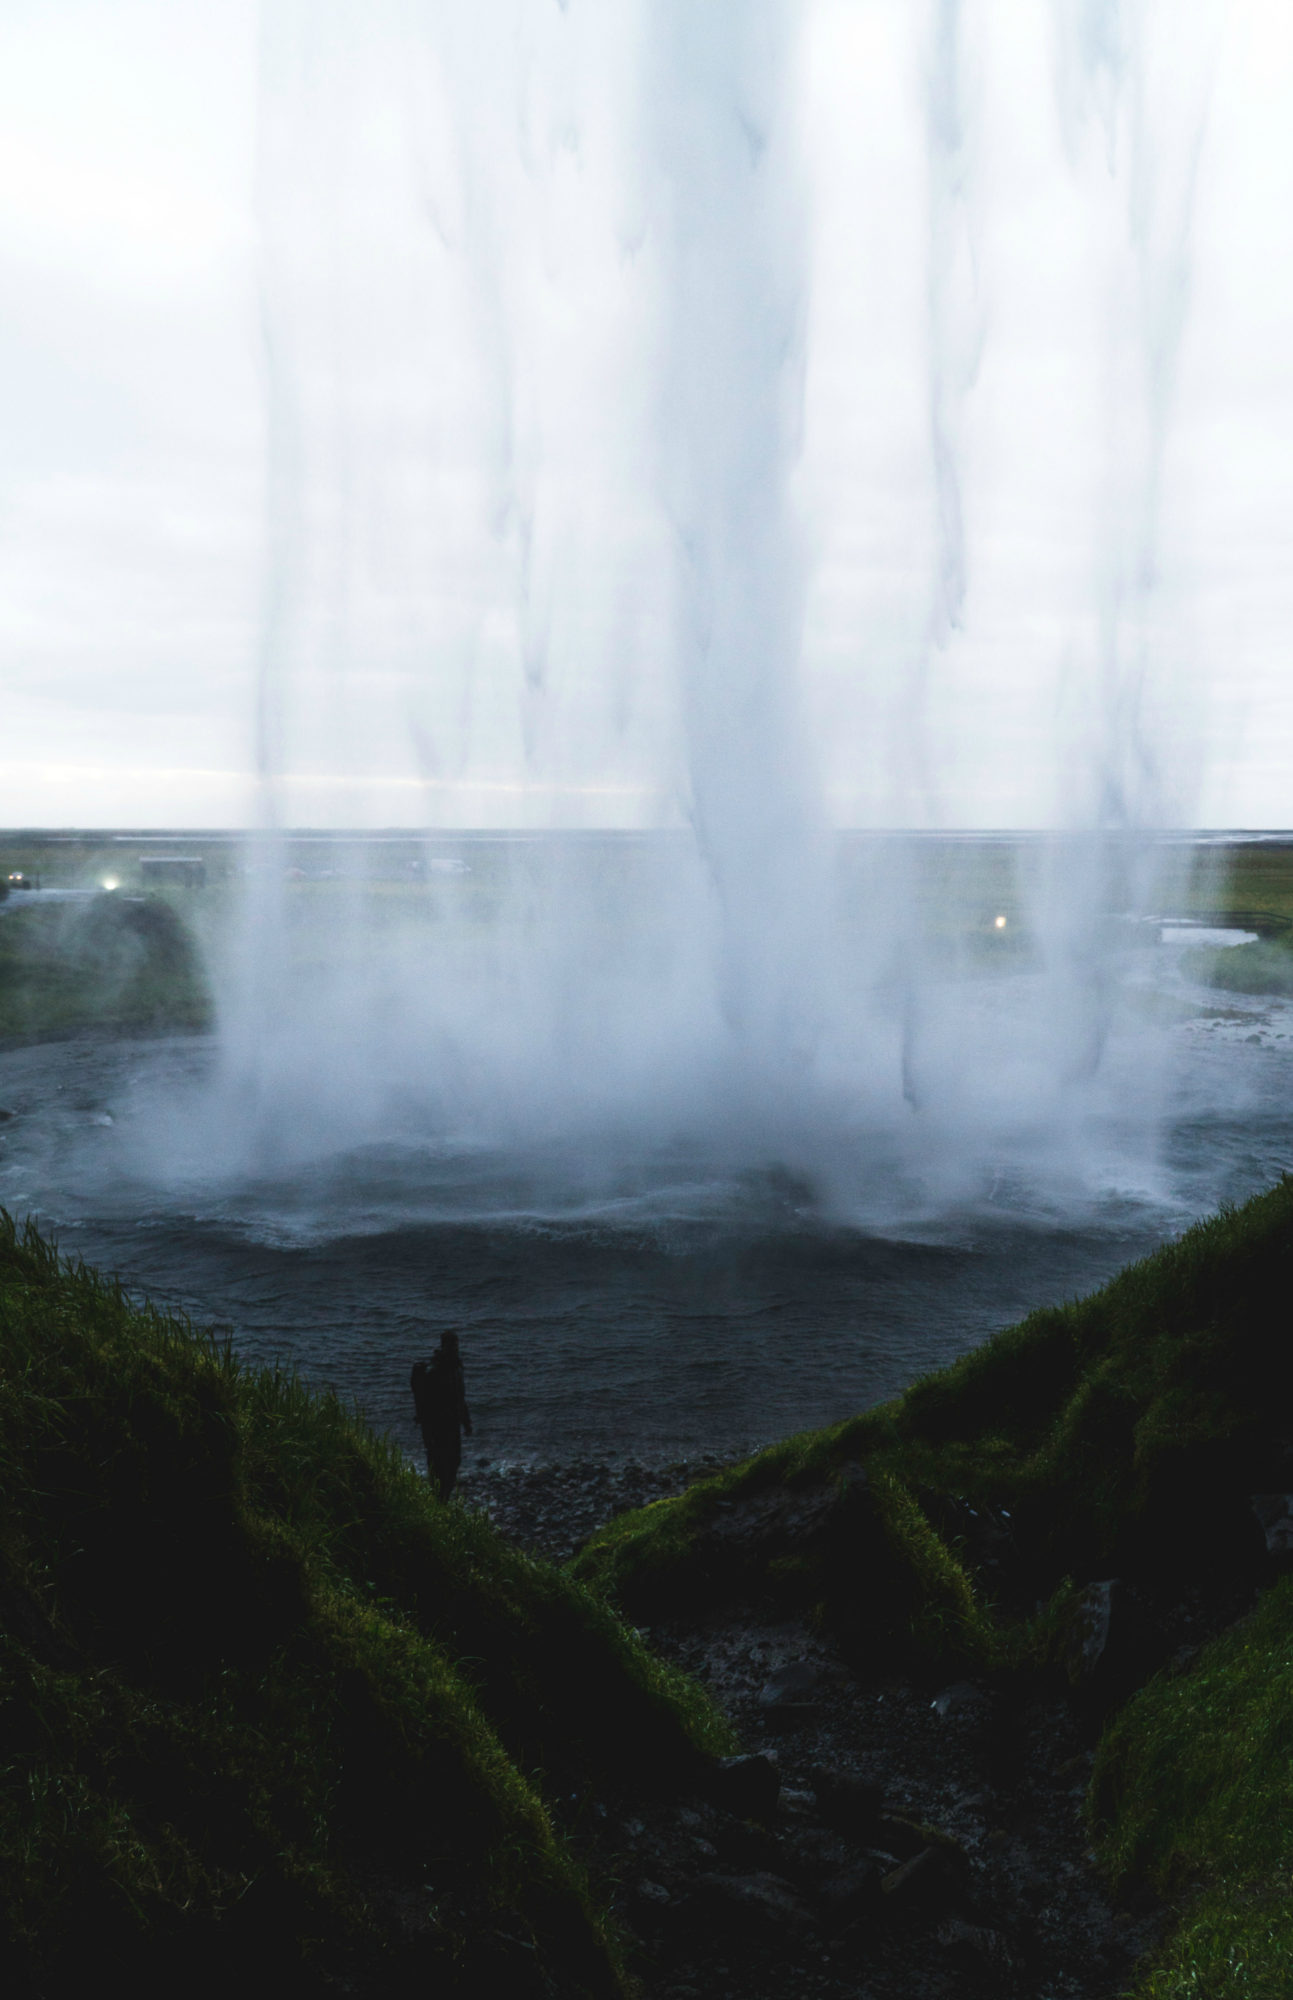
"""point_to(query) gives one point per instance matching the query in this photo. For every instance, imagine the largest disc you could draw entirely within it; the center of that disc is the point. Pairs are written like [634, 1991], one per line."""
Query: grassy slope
[1090, 1424]
[263, 1700]
[1192, 1791]
[109, 961]
[1119, 1434]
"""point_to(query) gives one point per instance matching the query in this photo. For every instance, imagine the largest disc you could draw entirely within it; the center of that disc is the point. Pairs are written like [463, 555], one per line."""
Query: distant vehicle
[17, 880]
[180, 871]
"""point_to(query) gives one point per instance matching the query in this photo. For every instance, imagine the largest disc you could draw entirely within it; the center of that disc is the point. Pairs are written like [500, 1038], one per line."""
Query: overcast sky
[335, 365]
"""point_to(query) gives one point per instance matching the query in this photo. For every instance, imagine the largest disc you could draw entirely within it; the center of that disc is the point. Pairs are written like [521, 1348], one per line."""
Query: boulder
[975, 1948]
[920, 1889]
[848, 1803]
[902, 1838]
[1274, 1513]
[746, 1786]
[749, 1907]
[851, 1894]
[962, 1698]
[793, 1693]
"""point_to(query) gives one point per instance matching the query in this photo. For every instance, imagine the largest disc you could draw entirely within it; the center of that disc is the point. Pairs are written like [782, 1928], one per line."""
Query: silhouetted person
[441, 1405]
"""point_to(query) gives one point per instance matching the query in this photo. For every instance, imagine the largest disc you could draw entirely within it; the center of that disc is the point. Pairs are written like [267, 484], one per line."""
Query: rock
[1274, 1513]
[749, 1847]
[850, 1894]
[792, 1693]
[1087, 1639]
[900, 1837]
[958, 1699]
[975, 1947]
[746, 1786]
[919, 1888]
[653, 1892]
[750, 1905]
[809, 1855]
[5, 1116]
[1108, 1643]
[797, 1680]
[848, 1803]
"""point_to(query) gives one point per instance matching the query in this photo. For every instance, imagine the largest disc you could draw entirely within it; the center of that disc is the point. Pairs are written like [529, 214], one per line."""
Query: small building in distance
[173, 871]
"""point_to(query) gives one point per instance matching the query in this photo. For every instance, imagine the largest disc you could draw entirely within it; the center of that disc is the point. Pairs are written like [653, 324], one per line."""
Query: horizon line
[159, 831]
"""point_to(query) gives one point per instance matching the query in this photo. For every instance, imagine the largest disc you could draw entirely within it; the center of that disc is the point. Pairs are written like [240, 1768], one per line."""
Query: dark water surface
[683, 1315]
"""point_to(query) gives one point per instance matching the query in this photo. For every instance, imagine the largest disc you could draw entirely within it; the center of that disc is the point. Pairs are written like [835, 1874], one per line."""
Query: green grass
[1251, 889]
[106, 962]
[1193, 1793]
[876, 1571]
[264, 1701]
[1251, 886]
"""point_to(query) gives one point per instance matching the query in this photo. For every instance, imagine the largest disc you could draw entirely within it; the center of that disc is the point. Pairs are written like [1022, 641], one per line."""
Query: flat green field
[136, 949]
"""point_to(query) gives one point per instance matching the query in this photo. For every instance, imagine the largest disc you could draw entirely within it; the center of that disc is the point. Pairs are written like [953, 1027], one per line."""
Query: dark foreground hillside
[1071, 1541]
[267, 1708]
[1015, 1650]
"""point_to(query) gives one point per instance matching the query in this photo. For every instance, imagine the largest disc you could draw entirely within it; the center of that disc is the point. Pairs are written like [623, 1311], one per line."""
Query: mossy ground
[264, 1701]
[1251, 885]
[1118, 1435]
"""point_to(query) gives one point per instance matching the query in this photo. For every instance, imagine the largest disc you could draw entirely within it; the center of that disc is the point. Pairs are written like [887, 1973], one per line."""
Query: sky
[380, 420]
